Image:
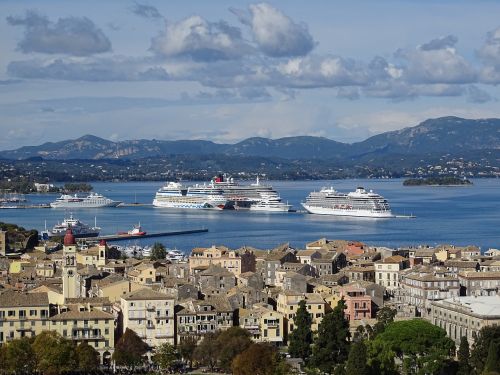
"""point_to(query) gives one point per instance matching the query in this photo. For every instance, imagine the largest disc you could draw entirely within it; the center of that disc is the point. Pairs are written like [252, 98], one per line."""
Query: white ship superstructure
[93, 200]
[270, 203]
[359, 203]
[242, 196]
[79, 229]
[175, 195]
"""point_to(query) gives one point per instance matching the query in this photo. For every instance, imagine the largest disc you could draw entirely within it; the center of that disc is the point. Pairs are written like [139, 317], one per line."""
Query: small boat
[175, 256]
[135, 231]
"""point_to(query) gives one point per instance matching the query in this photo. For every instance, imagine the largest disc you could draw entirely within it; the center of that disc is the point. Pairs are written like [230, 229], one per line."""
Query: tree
[464, 367]
[187, 347]
[19, 356]
[331, 345]
[300, 339]
[232, 342]
[207, 351]
[158, 251]
[357, 360]
[481, 346]
[87, 357]
[259, 359]
[492, 365]
[165, 356]
[419, 345]
[129, 350]
[54, 353]
[385, 316]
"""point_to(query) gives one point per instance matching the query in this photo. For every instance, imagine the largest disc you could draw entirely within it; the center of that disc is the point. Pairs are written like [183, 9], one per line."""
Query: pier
[120, 237]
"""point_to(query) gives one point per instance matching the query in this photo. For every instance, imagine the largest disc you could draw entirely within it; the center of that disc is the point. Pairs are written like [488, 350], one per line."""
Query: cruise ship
[93, 200]
[270, 203]
[241, 196]
[79, 229]
[359, 203]
[175, 195]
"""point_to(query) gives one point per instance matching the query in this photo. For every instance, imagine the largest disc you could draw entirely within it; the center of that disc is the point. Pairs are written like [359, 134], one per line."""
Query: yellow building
[18, 266]
[23, 315]
[80, 323]
[150, 314]
[264, 324]
[235, 262]
[113, 287]
[288, 304]
[3, 243]
[95, 256]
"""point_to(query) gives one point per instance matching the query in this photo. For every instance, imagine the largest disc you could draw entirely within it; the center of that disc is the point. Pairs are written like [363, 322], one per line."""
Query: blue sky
[228, 70]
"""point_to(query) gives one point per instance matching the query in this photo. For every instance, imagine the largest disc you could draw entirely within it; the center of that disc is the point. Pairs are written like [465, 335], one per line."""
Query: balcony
[87, 337]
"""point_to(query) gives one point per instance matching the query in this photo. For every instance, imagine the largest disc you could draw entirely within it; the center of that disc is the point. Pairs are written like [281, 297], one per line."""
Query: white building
[151, 315]
[465, 316]
[387, 271]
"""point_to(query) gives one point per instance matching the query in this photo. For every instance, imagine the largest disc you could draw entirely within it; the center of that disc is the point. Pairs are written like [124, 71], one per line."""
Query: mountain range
[445, 135]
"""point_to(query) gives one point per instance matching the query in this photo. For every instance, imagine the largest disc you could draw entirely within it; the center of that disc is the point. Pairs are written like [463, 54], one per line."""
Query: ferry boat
[79, 229]
[270, 203]
[359, 203]
[175, 195]
[93, 200]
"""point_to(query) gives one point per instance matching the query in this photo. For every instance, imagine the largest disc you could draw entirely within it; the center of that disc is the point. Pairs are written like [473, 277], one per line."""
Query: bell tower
[69, 274]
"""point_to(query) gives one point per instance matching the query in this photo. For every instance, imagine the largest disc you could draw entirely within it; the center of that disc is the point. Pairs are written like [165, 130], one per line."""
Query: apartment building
[264, 324]
[150, 314]
[387, 271]
[288, 304]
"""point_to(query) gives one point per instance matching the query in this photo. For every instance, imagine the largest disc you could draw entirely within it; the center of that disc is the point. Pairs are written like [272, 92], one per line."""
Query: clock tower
[69, 274]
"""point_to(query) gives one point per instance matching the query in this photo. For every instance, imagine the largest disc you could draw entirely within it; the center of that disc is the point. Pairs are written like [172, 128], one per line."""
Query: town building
[150, 314]
[263, 323]
[465, 316]
[387, 271]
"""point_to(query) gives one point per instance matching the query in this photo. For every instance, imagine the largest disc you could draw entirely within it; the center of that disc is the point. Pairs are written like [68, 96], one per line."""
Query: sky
[229, 70]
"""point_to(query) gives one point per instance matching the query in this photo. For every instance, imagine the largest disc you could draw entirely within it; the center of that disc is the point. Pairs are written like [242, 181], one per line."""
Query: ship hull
[189, 206]
[84, 205]
[346, 212]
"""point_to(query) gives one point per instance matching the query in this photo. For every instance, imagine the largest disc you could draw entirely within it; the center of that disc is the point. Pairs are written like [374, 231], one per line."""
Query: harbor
[121, 237]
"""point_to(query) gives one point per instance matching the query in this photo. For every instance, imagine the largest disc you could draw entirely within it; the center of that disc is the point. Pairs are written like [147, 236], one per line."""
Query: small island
[437, 181]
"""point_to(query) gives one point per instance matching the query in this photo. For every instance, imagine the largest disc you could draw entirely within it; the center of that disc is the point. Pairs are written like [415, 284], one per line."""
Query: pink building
[359, 304]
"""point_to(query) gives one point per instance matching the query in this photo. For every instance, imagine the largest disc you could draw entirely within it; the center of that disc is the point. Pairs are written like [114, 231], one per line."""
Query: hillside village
[84, 295]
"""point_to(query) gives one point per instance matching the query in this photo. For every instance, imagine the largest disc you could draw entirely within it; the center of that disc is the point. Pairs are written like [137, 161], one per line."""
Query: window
[11, 313]
[33, 313]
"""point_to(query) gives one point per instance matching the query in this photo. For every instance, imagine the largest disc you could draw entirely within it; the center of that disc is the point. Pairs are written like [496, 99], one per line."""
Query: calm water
[458, 215]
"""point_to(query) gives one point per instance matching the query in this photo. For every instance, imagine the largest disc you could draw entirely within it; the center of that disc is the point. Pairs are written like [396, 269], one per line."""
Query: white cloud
[200, 40]
[276, 34]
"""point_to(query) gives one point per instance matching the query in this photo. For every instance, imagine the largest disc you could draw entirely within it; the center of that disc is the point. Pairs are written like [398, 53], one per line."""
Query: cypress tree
[492, 365]
[301, 337]
[357, 360]
[331, 346]
[464, 367]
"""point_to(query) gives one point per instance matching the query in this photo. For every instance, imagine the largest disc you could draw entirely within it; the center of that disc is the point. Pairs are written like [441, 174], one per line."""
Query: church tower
[69, 274]
[103, 252]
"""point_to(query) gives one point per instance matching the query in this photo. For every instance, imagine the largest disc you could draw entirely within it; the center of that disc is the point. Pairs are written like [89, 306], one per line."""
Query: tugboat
[135, 231]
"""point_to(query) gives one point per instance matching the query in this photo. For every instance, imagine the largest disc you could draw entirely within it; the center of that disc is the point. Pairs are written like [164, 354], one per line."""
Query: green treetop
[300, 339]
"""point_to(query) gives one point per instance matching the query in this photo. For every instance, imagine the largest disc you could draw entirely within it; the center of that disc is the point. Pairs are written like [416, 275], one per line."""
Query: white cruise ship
[270, 203]
[93, 200]
[175, 195]
[240, 196]
[360, 203]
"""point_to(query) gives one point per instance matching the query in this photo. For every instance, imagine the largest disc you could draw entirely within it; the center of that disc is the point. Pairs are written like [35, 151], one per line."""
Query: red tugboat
[135, 231]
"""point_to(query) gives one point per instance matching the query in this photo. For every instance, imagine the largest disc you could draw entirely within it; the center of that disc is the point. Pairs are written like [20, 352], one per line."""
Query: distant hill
[435, 136]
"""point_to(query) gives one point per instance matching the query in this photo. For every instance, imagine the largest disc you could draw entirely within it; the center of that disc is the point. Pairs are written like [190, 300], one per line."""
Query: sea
[459, 215]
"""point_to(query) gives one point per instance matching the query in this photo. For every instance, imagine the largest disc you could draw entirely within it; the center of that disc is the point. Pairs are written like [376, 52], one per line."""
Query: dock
[121, 237]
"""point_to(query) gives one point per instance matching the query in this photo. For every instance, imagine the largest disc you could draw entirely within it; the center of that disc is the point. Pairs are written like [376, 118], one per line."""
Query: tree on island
[259, 359]
[158, 251]
[481, 348]
[187, 347]
[130, 350]
[207, 351]
[54, 354]
[87, 357]
[17, 356]
[231, 342]
[385, 316]
[165, 356]
[463, 354]
[331, 345]
[301, 338]
[418, 345]
[357, 360]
